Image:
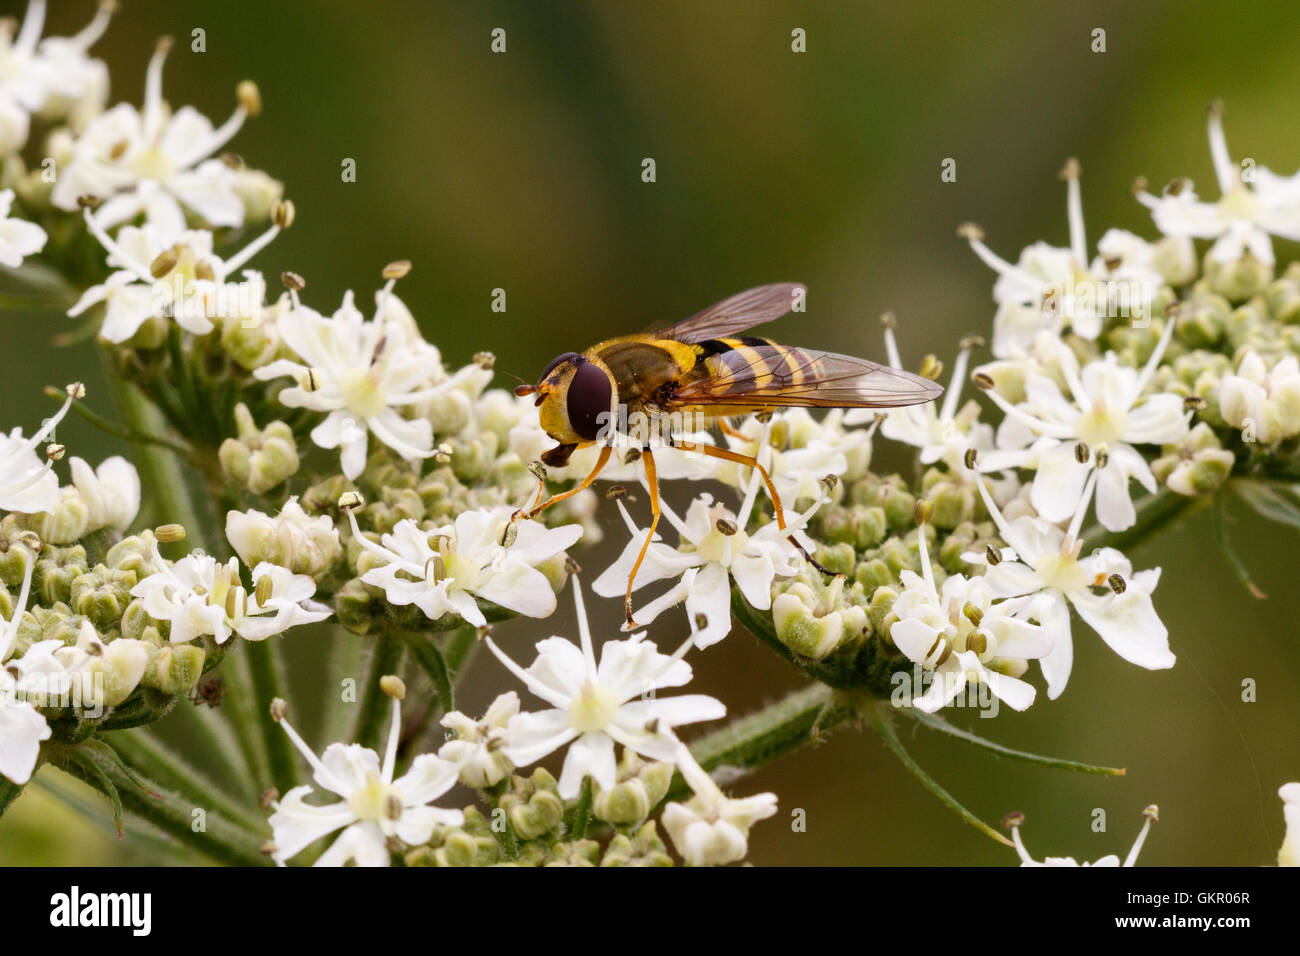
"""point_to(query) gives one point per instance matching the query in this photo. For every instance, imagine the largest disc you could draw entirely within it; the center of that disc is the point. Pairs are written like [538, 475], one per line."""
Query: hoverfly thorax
[575, 399]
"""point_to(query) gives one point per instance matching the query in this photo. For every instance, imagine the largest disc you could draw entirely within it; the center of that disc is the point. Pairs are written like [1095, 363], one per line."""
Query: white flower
[1289, 853]
[22, 726]
[200, 595]
[598, 705]
[1108, 411]
[811, 450]
[27, 485]
[361, 373]
[374, 807]
[154, 162]
[444, 571]
[961, 636]
[941, 433]
[479, 746]
[714, 549]
[293, 539]
[1052, 288]
[53, 78]
[18, 237]
[1268, 400]
[111, 492]
[89, 675]
[1044, 562]
[710, 830]
[1250, 208]
[179, 278]
[1015, 820]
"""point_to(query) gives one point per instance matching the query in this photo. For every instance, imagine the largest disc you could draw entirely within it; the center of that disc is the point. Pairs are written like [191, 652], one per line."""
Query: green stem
[9, 792]
[119, 431]
[747, 742]
[151, 758]
[374, 708]
[218, 838]
[264, 666]
[1155, 513]
[883, 723]
[211, 734]
[240, 708]
[160, 470]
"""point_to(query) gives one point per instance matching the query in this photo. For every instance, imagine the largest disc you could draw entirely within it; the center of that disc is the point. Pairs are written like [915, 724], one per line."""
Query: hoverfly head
[575, 397]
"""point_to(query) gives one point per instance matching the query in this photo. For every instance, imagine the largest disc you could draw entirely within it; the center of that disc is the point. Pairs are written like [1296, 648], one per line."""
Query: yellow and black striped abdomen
[749, 363]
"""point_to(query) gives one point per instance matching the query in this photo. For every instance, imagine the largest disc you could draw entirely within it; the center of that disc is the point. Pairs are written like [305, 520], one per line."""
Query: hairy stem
[264, 666]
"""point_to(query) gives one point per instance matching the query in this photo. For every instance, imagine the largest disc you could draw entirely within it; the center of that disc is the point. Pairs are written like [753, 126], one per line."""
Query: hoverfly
[705, 368]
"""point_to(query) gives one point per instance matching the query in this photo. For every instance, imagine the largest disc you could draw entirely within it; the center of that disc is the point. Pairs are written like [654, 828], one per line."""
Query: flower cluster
[361, 480]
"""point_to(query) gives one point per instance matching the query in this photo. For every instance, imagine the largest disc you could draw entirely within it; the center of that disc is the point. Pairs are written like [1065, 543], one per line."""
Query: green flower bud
[174, 668]
[101, 596]
[1240, 279]
[576, 853]
[69, 520]
[250, 341]
[1201, 320]
[470, 844]
[449, 412]
[873, 574]
[839, 558]
[857, 526]
[1250, 325]
[642, 848]
[56, 570]
[258, 192]
[881, 612]
[355, 608]
[533, 805]
[637, 791]
[1283, 296]
[1197, 465]
[394, 505]
[815, 625]
[258, 459]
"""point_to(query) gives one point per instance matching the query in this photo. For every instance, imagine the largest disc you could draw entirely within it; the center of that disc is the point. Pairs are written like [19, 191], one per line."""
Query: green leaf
[935, 722]
[882, 723]
[1274, 501]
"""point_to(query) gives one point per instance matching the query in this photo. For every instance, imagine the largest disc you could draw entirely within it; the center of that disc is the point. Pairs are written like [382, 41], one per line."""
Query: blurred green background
[523, 171]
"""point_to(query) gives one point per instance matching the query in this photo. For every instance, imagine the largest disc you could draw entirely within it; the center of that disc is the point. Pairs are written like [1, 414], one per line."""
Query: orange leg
[601, 461]
[713, 451]
[652, 480]
[728, 429]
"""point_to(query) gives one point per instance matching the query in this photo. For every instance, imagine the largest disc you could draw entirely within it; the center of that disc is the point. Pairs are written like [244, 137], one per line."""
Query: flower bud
[1240, 279]
[174, 668]
[533, 804]
[293, 539]
[637, 791]
[812, 627]
[258, 459]
[642, 848]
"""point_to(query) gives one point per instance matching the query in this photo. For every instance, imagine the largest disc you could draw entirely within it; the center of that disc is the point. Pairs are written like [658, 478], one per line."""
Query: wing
[754, 375]
[732, 316]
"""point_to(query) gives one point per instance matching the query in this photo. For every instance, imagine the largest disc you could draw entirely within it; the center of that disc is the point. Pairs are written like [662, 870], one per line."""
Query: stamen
[1074, 206]
[1224, 170]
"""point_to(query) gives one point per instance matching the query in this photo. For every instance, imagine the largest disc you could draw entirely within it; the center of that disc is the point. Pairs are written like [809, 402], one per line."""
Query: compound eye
[556, 363]
[590, 395]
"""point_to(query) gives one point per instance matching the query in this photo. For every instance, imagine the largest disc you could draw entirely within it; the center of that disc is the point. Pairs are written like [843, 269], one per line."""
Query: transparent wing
[733, 316]
[776, 376]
